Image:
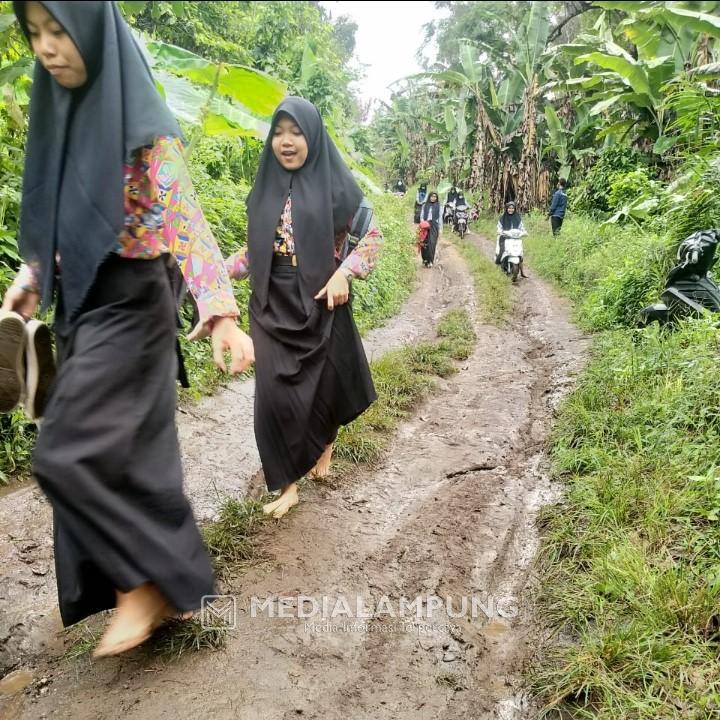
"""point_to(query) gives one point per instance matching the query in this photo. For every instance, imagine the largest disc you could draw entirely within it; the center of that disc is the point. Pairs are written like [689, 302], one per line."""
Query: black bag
[358, 227]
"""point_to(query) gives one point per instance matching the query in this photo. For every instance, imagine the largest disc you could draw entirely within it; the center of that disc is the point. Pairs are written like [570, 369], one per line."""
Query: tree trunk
[477, 162]
[704, 50]
[526, 186]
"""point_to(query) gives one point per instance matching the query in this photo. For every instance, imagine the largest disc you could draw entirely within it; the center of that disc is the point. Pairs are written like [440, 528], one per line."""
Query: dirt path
[450, 514]
[220, 459]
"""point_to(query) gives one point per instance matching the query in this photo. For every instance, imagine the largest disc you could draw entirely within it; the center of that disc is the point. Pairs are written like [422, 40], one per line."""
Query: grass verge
[630, 560]
[492, 287]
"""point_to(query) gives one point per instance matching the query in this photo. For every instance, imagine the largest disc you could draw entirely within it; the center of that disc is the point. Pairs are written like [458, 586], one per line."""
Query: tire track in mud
[450, 512]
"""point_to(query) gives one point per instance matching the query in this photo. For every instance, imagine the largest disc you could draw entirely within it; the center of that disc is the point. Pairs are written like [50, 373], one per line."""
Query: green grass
[402, 377]
[232, 539]
[630, 560]
[611, 272]
[492, 287]
[173, 639]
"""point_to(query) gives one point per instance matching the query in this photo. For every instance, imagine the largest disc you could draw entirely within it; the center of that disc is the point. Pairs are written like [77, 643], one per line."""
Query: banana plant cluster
[511, 117]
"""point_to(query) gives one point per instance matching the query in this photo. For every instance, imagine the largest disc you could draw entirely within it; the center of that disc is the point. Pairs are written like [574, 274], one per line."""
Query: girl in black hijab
[311, 375]
[106, 201]
[431, 213]
[509, 220]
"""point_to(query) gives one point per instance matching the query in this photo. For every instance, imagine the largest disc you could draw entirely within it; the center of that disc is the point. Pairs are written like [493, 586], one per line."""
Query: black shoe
[40, 363]
[12, 348]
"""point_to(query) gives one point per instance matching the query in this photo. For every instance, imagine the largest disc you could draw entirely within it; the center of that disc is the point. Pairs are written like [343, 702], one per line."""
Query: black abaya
[107, 455]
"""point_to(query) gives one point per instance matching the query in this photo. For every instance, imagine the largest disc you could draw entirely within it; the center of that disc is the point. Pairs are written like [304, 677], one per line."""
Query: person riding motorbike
[510, 222]
[461, 205]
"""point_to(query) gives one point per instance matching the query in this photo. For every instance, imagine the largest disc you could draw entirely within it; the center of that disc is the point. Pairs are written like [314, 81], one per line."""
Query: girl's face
[433, 197]
[289, 144]
[511, 209]
[54, 48]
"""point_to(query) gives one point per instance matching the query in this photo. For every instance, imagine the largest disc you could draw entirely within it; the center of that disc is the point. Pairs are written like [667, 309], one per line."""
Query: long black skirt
[311, 377]
[430, 245]
[107, 456]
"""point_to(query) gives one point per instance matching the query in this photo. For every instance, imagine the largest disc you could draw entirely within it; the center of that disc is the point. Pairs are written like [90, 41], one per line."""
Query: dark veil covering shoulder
[510, 221]
[325, 197]
[78, 141]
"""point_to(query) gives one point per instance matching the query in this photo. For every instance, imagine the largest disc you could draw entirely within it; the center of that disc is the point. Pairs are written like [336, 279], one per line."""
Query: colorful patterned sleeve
[362, 260]
[238, 265]
[187, 233]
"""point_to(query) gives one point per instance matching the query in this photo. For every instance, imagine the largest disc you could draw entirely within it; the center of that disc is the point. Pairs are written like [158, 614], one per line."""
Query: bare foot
[322, 466]
[138, 613]
[280, 507]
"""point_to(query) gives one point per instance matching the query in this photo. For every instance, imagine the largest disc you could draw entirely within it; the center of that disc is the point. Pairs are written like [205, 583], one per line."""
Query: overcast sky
[388, 36]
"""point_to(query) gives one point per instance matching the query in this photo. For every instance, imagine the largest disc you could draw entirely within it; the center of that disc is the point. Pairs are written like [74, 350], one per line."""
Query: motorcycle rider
[509, 220]
[462, 205]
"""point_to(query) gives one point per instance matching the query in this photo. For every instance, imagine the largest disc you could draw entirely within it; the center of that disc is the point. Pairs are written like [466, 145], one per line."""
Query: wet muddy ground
[448, 518]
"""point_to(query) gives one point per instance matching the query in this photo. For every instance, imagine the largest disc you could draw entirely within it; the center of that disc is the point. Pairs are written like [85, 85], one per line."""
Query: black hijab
[510, 222]
[431, 210]
[78, 141]
[325, 197]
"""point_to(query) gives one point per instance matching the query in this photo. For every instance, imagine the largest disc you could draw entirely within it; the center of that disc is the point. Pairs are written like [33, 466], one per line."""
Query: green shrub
[611, 271]
[626, 188]
[592, 194]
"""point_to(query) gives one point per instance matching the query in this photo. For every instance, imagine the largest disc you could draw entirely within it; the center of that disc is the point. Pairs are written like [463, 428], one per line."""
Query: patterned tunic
[361, 261]
[163, 215]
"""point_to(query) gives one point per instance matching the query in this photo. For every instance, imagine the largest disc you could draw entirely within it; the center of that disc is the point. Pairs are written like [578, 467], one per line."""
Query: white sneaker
[12, 370]
[40, 363]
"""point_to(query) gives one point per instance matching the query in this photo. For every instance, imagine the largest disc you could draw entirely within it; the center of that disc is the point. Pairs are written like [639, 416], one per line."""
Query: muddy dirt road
[448, 517]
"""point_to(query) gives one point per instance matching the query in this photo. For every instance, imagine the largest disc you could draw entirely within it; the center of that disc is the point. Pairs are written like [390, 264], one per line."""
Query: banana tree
[467, 91]
[630, 88]
[523, 65]
[214, 97]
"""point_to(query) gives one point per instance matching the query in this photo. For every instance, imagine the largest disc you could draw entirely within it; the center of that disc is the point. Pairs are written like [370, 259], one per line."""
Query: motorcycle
[689, 289]
[510, 258]
[449, 214]
[461, 221]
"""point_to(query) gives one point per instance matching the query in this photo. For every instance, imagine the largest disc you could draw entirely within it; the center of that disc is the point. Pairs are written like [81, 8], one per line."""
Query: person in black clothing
[431, 213]
[558, 207]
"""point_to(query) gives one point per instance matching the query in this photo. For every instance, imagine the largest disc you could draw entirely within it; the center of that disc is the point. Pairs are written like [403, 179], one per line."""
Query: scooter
[449, 214]
[461, 221]
[510, 257]
[689, 289]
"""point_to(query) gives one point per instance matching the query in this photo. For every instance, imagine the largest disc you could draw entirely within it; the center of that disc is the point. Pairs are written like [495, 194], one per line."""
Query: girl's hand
[23, 302]
[337, 291]
[226, 335]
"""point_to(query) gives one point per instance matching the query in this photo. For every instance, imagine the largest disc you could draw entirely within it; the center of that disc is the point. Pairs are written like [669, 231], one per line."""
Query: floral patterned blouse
[361, 261]
[163, 215]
